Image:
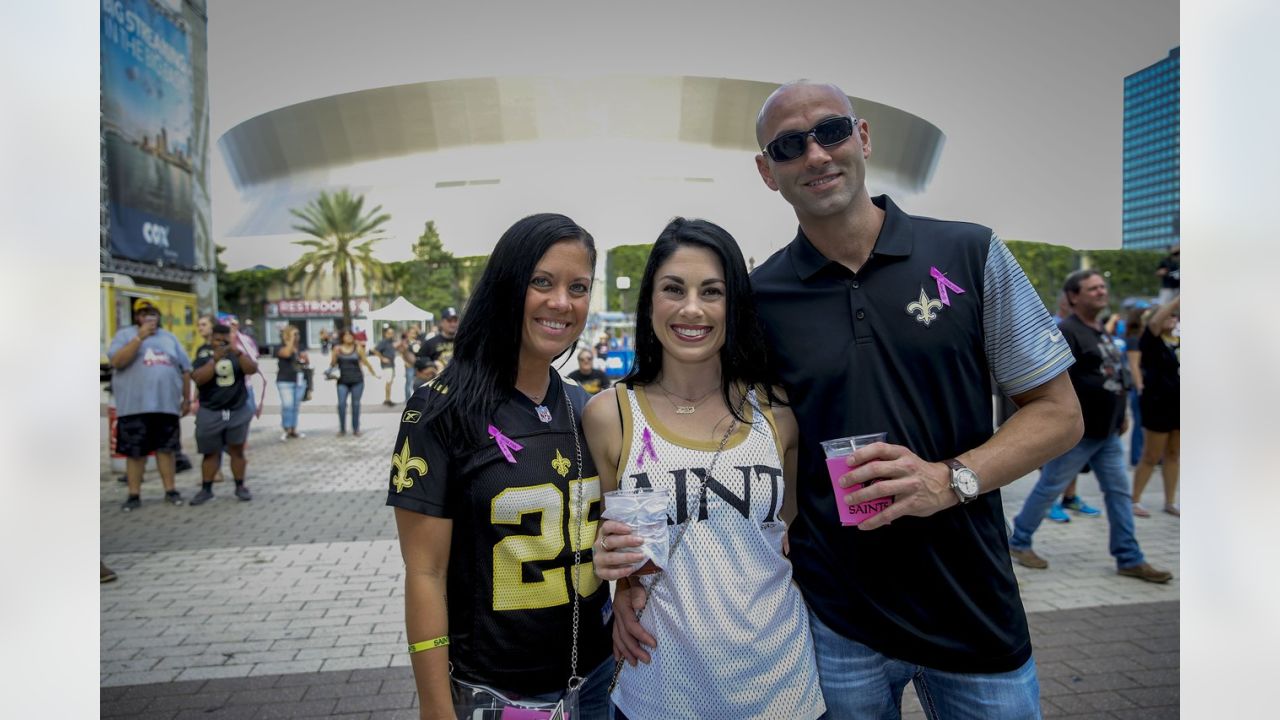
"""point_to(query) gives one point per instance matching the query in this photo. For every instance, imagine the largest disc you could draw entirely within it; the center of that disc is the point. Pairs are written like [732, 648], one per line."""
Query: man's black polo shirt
[879, 351]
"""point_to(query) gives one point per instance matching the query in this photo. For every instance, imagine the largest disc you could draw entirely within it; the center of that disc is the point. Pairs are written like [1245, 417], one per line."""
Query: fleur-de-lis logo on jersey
[925, 306]
[403, 463]
[561, 464]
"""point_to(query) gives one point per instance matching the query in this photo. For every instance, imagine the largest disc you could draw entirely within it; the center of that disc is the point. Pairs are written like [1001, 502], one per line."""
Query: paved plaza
[292, 605]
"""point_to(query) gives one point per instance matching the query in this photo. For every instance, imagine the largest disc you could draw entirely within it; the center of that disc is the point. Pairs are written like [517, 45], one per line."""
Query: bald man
[880, 321]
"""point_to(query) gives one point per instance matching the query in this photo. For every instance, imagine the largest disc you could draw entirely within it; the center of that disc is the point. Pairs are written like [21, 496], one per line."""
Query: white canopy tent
[399, 309]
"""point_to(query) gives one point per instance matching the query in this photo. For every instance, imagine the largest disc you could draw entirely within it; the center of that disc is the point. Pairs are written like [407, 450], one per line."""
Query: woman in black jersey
[348, 355]
[496, 497]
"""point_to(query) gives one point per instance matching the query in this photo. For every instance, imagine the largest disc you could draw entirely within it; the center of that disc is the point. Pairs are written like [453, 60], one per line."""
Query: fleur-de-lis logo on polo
[561, 464]
[403, 463]
[925, 306]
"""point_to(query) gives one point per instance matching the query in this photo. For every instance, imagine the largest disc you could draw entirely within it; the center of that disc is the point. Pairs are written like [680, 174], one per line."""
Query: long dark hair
[486, 351]
[743, 356]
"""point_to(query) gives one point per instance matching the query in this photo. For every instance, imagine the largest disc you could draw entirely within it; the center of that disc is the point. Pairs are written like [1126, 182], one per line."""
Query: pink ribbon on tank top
[505, 444]
[943, 285]
[646, 448]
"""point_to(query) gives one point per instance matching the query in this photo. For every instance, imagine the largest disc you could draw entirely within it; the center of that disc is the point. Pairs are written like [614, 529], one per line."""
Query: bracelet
[428, 644]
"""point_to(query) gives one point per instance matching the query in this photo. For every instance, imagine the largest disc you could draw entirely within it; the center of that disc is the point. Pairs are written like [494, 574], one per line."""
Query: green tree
[244, 292]
[624, 261]
[1130, 273]
[1046, 266]
[432, 278]
[344, 235]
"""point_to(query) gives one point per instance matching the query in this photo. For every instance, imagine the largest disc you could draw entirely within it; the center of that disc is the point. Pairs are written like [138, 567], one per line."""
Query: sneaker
[1057, 514]
[131, 504]
[1081, 507]
[173, 497]
[355, 433]
[1139, 511]
[1173, 510]
[106, 574]
[242, 492]
[1146, 572]
[202, 497]
[284, 437]
[299, 435]
[388, 403]
[1028, 558]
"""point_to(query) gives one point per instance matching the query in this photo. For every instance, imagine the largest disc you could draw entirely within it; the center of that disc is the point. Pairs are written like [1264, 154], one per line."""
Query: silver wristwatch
[963, 481]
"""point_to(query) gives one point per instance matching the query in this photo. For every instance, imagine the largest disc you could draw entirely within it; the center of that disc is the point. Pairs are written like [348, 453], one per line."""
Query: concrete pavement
[291, 605]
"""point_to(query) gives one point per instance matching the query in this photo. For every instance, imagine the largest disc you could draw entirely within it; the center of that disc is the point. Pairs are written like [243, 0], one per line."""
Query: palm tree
[344, 237]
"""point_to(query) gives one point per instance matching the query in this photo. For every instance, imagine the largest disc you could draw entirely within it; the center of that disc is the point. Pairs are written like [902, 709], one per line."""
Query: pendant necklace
[685, 409]
[544, 413]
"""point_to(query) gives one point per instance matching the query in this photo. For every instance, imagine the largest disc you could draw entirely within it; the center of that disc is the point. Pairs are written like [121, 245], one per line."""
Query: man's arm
[1047, 424]
[127, 352]
[124, 356]
[248, 365]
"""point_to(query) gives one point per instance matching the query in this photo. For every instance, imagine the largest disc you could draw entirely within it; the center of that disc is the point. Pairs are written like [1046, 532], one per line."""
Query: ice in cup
[644, 510]
[837, 466]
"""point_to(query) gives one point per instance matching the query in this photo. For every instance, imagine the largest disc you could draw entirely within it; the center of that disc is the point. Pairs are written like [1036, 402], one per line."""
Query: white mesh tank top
[732, 629]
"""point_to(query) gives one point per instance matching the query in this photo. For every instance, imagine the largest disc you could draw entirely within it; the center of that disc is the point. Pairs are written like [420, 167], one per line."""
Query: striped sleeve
[1024, 347]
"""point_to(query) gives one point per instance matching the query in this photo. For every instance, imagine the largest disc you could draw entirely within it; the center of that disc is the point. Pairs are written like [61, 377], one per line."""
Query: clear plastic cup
[837, 466]
[644, 510]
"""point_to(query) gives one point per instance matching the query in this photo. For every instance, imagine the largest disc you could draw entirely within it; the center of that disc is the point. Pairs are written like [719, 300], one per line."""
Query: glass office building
[1151, 156]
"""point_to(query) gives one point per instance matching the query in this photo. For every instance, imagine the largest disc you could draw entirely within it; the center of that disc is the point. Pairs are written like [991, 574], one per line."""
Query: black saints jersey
[518, 511]
[437, 348]
[225, 391]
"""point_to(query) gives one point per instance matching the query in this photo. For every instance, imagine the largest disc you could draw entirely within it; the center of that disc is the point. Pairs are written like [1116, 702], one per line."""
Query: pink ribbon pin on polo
[646, 448]
[505, 444]
[943, 285]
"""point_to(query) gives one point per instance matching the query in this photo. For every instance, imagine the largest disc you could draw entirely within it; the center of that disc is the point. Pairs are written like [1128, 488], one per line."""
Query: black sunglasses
[827, 133]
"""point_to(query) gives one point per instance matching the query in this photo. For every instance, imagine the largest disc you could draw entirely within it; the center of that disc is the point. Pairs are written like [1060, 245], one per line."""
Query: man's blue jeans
[1107, 457]
[858, 682]
[290, 394]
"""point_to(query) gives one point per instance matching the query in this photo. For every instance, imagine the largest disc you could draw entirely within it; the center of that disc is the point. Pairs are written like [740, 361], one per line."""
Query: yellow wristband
[428, 644]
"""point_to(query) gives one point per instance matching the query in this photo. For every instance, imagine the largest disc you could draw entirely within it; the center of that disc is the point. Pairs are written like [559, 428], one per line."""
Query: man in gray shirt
[152, 384]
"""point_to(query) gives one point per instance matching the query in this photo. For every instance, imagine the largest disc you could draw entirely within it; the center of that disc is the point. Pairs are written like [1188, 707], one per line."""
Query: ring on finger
[604, 543]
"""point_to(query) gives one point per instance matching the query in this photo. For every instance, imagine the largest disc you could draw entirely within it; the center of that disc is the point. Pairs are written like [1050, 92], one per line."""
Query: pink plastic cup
[838, 451]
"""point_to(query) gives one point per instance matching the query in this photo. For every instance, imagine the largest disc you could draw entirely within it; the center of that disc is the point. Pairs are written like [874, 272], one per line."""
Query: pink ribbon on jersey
[646, 448]
[505, 444]
[943, 285]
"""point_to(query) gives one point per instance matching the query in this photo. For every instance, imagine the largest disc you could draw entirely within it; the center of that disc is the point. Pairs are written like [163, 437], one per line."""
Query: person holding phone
[222, 422]
[151, 385]
[292, 357]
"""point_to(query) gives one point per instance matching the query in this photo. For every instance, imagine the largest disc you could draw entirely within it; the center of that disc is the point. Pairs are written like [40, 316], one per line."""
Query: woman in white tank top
[729, 628]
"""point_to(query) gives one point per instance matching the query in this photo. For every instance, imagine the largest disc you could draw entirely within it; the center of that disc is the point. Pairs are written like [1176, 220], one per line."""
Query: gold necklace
[685, 409]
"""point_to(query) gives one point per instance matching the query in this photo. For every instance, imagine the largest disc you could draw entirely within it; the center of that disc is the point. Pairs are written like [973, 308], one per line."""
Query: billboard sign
[148, 126]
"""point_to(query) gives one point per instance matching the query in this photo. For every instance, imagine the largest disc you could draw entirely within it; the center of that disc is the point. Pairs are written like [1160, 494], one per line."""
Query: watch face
[967, 482]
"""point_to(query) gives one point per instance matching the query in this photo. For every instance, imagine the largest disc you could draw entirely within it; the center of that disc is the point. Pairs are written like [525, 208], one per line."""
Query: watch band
[957, 467]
